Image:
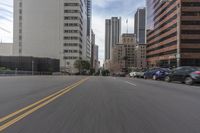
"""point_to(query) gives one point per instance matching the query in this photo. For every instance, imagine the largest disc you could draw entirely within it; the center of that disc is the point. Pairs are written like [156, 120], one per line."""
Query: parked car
[140, 74]
[120, 74]
[156, 73]
[187, 75]
[132, 74]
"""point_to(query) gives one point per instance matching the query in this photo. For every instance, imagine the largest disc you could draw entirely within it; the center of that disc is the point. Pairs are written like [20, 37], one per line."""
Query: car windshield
[166, 69]
[195, 69]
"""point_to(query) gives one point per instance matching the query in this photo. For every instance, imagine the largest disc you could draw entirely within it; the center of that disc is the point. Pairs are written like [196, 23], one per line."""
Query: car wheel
[167, 79]
[189, 81]
[154, 77]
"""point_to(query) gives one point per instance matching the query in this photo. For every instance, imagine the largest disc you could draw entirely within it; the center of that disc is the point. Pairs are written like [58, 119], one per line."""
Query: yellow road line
[45, 102]
[36, 103]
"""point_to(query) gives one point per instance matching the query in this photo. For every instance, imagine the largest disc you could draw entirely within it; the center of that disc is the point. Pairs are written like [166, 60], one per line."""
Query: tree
[115, 67]
[77, 65]
[105, 72]
[85, 64]
[82, 65]
[92, 71]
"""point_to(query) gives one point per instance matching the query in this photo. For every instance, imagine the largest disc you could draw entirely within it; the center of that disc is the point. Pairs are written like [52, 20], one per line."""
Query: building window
[71, 31]
[20, 11]
[71, 38]
[162, 32]
[190, 50]
[71, 11]
[162, 25]
[20, 31]
[71, 44]
[20, 4]
[190, 22]
[190, 4]
[20, 44]
[190, 31]
[20, 18]
[184, 13]
[70, 51]
[70, 57]
[20, 25]
[162, 39]
[193, 41]
[71, 4]
[20, 37]
[71, 18]
[71, 24]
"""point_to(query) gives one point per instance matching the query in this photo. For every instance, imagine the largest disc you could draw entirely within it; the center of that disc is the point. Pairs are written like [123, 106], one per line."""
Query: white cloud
[6, 21]
[6, 30]
[98, 25]
[102, 3]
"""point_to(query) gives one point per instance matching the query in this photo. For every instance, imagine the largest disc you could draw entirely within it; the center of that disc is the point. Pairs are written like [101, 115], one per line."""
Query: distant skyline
[105, 9]
[102, 9]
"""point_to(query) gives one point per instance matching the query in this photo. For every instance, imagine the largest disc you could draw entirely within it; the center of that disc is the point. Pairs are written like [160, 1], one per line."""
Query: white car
[132, 74]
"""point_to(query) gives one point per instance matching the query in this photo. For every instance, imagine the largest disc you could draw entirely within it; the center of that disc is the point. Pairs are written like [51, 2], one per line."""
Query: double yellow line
[22, 113]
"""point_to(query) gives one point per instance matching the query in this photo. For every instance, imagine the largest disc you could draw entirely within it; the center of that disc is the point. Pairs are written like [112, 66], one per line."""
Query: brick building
[173, 32]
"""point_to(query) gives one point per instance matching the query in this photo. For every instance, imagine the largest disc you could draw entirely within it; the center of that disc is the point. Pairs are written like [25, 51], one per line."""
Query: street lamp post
[178, 56]
[169, 62]
[178, 53]
[32, 67]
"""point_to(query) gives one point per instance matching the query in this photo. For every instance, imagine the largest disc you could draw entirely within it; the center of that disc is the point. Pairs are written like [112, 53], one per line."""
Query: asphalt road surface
[59, 104]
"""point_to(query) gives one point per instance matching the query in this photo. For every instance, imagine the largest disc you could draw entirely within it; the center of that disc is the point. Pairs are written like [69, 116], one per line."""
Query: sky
[101, 10]
[6, 20]
[105, 9]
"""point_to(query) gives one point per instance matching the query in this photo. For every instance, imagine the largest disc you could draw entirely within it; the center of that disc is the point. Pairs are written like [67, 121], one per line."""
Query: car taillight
[197, 72]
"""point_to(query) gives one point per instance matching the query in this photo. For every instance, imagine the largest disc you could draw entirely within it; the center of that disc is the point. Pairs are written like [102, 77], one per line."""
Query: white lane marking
[131, 83]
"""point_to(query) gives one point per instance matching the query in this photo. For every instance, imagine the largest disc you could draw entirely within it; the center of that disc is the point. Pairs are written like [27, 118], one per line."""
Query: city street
[77, 104]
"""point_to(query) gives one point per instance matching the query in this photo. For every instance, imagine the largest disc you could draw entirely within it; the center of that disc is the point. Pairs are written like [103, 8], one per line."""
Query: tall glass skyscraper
[112, 35]
[140, 25]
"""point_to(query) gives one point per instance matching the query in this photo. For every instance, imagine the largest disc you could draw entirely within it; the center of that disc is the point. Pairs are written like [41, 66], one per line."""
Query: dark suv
[187, 75]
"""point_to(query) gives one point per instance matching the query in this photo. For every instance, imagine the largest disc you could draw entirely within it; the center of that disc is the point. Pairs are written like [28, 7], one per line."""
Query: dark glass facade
[28, 64]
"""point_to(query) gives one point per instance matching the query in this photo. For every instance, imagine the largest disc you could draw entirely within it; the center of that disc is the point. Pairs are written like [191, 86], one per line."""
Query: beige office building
[140, 52]
[124, 56]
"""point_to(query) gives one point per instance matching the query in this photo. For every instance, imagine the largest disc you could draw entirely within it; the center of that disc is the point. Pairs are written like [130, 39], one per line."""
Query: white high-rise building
[53, 29]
